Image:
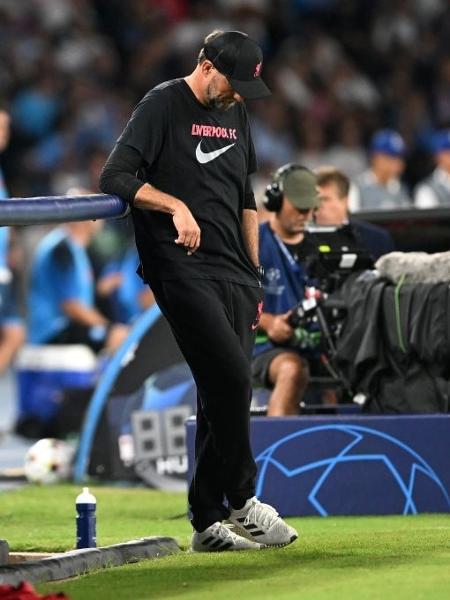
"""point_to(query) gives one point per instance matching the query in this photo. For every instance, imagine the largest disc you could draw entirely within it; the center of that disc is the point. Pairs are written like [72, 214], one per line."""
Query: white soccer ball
[48, 461]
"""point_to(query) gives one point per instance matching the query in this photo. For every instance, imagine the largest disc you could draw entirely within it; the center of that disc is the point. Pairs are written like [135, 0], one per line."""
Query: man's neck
[382, 177]
[193, 82]
[286, 236]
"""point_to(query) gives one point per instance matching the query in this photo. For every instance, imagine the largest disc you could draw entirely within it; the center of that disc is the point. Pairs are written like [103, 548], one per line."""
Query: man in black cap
[183, 163]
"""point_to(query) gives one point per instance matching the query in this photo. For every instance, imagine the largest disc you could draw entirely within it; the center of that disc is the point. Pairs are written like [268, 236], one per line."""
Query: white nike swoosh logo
[205, 157]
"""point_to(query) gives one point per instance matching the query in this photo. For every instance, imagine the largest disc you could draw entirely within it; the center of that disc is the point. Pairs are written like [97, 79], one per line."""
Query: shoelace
[224, 533]
[263, 514]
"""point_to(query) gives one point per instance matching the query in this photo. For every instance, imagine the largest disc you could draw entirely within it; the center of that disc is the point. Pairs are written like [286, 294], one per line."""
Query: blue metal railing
[61, 209]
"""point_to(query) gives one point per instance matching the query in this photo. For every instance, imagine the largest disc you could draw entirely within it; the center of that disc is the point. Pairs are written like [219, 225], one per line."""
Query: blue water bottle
[86, 505]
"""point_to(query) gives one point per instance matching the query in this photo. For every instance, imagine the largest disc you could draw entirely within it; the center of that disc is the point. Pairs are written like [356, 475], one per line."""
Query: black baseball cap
[239, 58]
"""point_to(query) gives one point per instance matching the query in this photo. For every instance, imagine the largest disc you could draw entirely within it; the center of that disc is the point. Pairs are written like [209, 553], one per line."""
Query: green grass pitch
[346, 557]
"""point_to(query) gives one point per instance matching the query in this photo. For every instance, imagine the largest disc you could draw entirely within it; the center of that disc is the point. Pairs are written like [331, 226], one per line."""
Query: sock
[239, 505]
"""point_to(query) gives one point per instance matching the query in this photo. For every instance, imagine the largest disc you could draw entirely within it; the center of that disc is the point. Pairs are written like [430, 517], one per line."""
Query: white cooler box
[44, 372]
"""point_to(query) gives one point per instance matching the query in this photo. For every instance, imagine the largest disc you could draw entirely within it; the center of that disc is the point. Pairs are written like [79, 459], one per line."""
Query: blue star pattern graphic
[170, 387]
[403, 471]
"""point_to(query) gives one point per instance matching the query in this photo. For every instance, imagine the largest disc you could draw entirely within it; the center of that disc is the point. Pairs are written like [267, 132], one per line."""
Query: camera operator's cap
[300, 189]
[441, 141]
[388, 141]
[240, 59]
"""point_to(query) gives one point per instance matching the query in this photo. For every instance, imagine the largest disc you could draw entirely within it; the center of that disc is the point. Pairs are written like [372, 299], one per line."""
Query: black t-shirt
[203, 157]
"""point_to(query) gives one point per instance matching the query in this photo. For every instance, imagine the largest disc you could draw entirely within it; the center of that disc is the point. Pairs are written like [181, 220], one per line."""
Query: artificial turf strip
[347, 557]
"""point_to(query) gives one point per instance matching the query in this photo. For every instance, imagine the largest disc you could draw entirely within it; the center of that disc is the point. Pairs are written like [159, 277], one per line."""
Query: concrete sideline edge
[80, 562]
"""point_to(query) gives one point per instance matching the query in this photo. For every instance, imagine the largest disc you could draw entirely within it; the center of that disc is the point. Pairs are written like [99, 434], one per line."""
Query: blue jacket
[377, 240]
[283, 282]
[60, 271]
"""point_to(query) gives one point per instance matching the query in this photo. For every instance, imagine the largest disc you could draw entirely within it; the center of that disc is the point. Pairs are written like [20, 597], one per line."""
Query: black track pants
[213, 323]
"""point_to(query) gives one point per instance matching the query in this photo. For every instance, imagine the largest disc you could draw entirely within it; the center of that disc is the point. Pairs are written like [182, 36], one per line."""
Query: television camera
[339, 260]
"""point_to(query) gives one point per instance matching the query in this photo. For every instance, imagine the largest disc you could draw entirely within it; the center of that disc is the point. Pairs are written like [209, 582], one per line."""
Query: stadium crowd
[70, 70]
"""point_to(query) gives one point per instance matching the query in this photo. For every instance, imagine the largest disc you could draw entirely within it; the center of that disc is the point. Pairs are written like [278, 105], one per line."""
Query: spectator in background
[348, 153]
[72, 70]
[61, 306]
[35, 109]
[380, 188]
[279, 363]
[12, 332]
[353, 88]
[441, 91]
[122, 290]
[395, 27]
[292, 78]
[333, 187]
[435, 189]
[271, 133]
[313, 145]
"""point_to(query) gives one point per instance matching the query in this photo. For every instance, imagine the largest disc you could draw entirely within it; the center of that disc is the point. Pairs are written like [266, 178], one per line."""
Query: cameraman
[278, 362]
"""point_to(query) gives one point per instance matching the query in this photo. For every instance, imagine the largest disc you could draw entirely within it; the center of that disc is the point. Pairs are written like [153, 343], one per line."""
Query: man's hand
[149, 198]
[187, 228]
[277, 327]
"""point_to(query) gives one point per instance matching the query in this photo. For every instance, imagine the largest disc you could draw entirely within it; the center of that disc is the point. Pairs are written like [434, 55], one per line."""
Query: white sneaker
[261, 522]
[217, 538]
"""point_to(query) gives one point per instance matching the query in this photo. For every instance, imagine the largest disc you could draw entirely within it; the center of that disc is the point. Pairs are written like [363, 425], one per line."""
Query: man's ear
[207, 67]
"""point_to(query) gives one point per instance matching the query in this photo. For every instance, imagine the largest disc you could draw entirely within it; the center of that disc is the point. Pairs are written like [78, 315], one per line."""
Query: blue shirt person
[434, 190]
[380, 187]
[61, 300]
[126, 293]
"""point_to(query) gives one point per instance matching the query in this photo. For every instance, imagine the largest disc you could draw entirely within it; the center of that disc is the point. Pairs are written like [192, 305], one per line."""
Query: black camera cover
[339, 251]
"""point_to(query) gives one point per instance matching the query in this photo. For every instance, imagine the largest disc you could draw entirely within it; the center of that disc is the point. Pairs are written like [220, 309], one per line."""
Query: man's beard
[218, 102]
[222, 105]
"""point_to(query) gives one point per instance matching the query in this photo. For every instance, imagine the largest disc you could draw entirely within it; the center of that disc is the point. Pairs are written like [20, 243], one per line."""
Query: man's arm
[111, 334]
[277, 327]
[250, 227]
[12, 338]
[70, 288]
[250, 233]
[81, 313]
[119, 177]
[150, 198]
